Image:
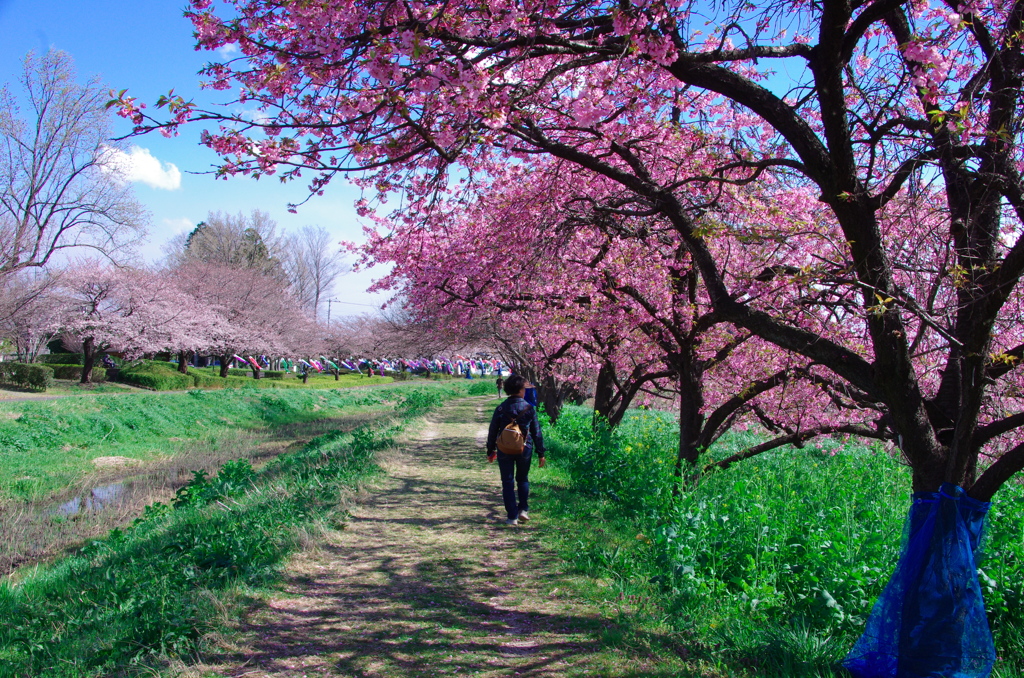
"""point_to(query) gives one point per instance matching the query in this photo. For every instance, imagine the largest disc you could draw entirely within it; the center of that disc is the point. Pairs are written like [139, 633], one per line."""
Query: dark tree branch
[797, 438]
[985, 433]
[998, 473]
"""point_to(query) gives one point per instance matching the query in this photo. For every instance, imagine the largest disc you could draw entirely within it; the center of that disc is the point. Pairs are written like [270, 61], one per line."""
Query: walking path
[426, 580]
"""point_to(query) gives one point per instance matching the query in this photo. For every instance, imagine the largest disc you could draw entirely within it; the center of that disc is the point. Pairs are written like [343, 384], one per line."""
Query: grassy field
[771, 566]
[766, 569]
[158, 587]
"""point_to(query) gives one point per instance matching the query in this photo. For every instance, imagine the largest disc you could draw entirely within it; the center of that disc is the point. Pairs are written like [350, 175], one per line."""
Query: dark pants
[515, 475]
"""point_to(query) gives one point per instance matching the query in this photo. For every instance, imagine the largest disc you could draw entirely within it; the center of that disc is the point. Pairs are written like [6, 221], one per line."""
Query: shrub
[274, 374]
[61, 359]
[158, 376]
[204, 380]
[26, 375]
[479, 388]
[63, 371]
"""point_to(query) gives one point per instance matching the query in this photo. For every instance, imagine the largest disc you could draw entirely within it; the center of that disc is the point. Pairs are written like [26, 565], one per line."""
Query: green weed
[775, 562]
[479, 388]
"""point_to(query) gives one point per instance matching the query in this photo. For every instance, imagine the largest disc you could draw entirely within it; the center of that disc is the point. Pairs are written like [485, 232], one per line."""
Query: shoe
[524, 516]
[512, 521]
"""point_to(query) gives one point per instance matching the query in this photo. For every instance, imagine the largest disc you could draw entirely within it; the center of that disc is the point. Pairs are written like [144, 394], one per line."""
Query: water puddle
[98, 498]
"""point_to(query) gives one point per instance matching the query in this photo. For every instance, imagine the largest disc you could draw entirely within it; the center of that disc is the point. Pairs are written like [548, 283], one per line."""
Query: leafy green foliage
[99, 375]
[234, 478]
[479, 388]
[26, 375]
[164, 376]
[157, 376]
[61, 359]
[777, 560]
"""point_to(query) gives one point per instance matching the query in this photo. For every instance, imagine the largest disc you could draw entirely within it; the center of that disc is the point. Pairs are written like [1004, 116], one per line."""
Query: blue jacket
[525, 416]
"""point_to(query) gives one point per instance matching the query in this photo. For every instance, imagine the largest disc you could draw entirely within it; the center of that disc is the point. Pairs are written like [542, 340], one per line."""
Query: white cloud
[179, 225]
[228, 51]
[138, 164]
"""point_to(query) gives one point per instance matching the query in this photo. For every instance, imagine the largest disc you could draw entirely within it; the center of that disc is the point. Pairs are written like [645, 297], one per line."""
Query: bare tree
[313, 262]
[232, 240]
[59, 185]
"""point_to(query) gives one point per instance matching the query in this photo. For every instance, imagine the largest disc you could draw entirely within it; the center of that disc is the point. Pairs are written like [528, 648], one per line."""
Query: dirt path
[426, 580]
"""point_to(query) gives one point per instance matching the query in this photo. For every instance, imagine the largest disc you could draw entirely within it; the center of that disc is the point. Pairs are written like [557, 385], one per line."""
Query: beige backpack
[511, 440]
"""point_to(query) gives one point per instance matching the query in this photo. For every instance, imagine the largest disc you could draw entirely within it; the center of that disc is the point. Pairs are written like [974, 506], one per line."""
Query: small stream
[98, 498]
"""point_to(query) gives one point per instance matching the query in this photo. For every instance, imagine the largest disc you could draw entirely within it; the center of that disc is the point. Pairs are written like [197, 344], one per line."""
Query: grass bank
[47, 446]
[84, 466]
[156, 589]
[62, 387]
[769, 568]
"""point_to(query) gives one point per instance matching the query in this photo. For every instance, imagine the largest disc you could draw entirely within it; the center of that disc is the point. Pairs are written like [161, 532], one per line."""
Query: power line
[339, 301]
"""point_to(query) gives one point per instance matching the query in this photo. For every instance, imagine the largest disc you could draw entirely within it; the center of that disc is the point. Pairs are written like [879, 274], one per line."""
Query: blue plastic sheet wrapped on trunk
[930, 620]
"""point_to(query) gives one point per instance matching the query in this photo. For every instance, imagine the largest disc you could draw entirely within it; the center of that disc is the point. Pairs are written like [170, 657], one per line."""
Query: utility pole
[339, 301]
[329, 301]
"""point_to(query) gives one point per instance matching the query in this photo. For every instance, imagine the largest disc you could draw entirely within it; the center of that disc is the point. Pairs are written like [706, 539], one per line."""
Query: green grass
[164, 376]
[155, 589]
[46, 446]
[74, 387]
[772, 565]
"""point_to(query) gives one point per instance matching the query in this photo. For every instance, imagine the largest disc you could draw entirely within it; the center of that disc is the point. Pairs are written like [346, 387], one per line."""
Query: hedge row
[99, 374]
[162, 376]
[61, 359]
[156, 376]
[28, 376]
[239, 372]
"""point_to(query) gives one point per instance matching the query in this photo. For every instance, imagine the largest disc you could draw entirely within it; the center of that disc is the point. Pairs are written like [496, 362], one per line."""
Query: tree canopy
[893, 126]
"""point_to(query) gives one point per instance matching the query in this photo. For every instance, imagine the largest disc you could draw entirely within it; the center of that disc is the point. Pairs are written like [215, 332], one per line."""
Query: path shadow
[427, 582]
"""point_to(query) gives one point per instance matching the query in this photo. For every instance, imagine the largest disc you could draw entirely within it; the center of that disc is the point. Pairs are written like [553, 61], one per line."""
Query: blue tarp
[930, 620]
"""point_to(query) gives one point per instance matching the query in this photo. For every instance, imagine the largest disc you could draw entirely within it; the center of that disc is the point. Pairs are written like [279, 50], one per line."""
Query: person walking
[500, 383]
[515, 468]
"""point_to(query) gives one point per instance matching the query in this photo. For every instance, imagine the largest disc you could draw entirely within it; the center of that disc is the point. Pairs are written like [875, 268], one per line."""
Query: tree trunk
[552, 397]
[691, 420]
[337, 375]
[930, 619]
[183, 360]
[89, 351]
[604, 392]
[225, 365]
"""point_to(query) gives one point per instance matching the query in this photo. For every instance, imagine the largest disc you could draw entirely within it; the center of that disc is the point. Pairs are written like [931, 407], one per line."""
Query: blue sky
[147, 47]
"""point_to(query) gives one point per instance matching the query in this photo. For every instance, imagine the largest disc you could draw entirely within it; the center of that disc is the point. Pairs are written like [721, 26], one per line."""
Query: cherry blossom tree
[258, 314]
[130, 311]
[562, 286]
[863, 105]
[29, 310]
[885, 96]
